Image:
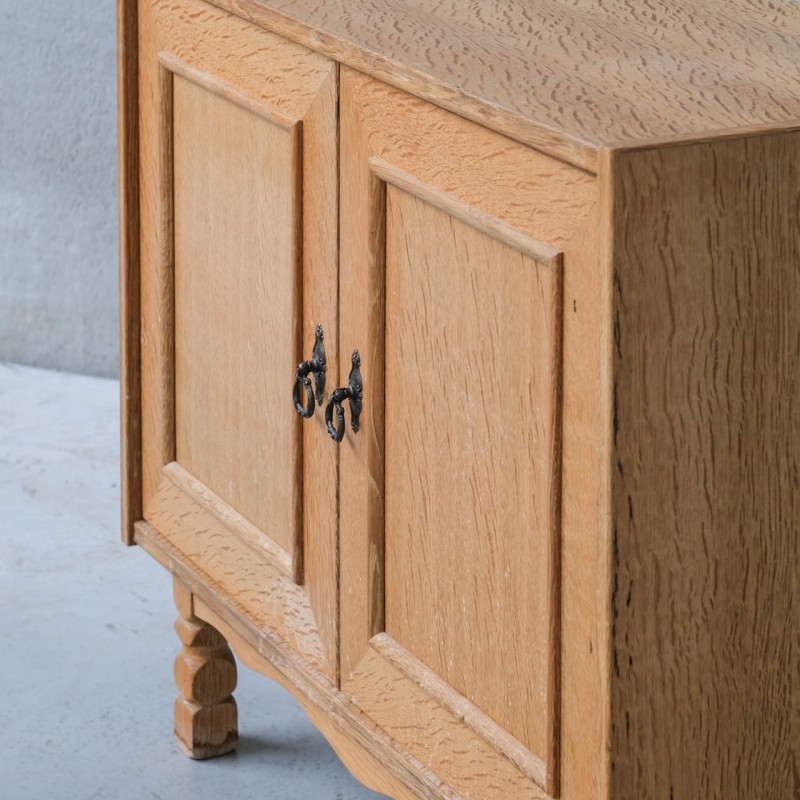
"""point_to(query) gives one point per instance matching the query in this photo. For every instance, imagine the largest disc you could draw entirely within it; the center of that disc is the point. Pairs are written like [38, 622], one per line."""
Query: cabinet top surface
[572, 75]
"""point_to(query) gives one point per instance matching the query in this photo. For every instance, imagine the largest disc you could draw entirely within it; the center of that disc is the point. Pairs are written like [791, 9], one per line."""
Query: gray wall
[58, 207]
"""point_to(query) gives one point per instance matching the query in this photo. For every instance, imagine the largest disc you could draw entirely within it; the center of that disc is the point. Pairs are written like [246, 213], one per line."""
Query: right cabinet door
[452, 288]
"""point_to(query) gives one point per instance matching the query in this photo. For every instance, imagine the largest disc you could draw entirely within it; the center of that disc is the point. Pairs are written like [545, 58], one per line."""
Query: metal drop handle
[317, 366]
[354, 392]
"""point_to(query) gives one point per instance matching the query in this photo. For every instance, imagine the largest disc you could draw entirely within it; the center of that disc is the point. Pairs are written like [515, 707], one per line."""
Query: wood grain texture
[229, 517]
[466, 762]
[320, 290]
[595, 361]
[472, 466]
[585, 542]
[374, 757]
[679, 470]
[471, 719]
[475, 218]
[220, 87]
[540, 198]
[156, 261]
[128, 177]
[206, 719]
[237, 81]
[705, 462]
[362, 201]
[567, 76]
[261, 592]
[361, 746]
[237, 189]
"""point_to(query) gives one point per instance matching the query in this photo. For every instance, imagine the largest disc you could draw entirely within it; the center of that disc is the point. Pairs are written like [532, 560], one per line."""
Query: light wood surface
[128, 177]
[420, 507]
[567, 76]
[205, 672]
[368, 756]
[236, 183]
[229, 517]
[321, 305]
[241, 573]
[376, 759]
[238, 186]
[706, 458]
[586, 593]
[472, 465]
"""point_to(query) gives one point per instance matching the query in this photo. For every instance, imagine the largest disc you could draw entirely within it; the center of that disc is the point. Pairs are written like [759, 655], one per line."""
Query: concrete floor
[86, 639]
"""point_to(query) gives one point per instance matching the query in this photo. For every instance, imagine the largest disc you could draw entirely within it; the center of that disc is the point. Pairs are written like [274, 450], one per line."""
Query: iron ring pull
[316, 366]
[354, 392]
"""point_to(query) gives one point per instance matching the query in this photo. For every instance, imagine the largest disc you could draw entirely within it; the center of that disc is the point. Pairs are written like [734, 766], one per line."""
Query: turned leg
[205, 672]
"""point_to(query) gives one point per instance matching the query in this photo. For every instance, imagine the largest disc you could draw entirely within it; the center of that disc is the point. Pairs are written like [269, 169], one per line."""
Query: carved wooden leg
[206, 721]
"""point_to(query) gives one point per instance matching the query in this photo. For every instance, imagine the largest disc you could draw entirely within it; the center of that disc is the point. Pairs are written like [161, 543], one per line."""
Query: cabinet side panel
[130, 377]
[705, 501]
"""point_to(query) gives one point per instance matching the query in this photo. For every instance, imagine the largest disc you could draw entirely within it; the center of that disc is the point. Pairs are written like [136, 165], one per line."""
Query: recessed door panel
[237, 309]
[472, 375]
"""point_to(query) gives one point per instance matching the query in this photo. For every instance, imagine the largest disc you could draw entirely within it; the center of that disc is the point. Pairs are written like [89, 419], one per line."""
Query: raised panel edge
[465, 711]
[222, 88]
[469, 214]
[266, 652]
[231, 518]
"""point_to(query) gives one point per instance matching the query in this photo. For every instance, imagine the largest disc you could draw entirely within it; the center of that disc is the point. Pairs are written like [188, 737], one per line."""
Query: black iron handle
[354, 392]
[317, 367]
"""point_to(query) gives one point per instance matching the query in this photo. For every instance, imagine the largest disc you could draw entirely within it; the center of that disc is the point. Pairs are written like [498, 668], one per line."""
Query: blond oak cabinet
[558, 557]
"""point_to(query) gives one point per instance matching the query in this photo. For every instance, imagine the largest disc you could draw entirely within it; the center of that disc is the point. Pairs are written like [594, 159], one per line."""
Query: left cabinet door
[238, 199]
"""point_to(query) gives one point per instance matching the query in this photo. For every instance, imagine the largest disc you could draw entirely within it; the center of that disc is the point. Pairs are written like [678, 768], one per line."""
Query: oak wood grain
[567, 76]
[260, 591]
[320, 290]
[128, 177]
[472, 465]
[237, 81]
[441, 693]
[466, 760]
[206, 717]
[232, 519]
[475, 218]
[215, 85]
[156, 261]
[362, 747]
[392, 142]
[238, 307]
[676, 558]
[705, 459]
[375, 757]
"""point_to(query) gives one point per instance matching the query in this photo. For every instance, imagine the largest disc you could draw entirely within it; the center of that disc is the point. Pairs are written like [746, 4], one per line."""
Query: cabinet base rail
[364, 749]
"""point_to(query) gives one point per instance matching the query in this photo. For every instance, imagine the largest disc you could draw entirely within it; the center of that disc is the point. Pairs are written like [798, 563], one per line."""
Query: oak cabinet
[536, 568]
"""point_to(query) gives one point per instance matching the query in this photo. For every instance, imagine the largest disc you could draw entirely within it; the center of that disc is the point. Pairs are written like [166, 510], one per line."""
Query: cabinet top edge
[569, 77]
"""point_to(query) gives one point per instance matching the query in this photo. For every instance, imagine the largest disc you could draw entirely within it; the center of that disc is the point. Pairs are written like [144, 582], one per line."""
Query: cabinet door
[238, 251]
[451, 269]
